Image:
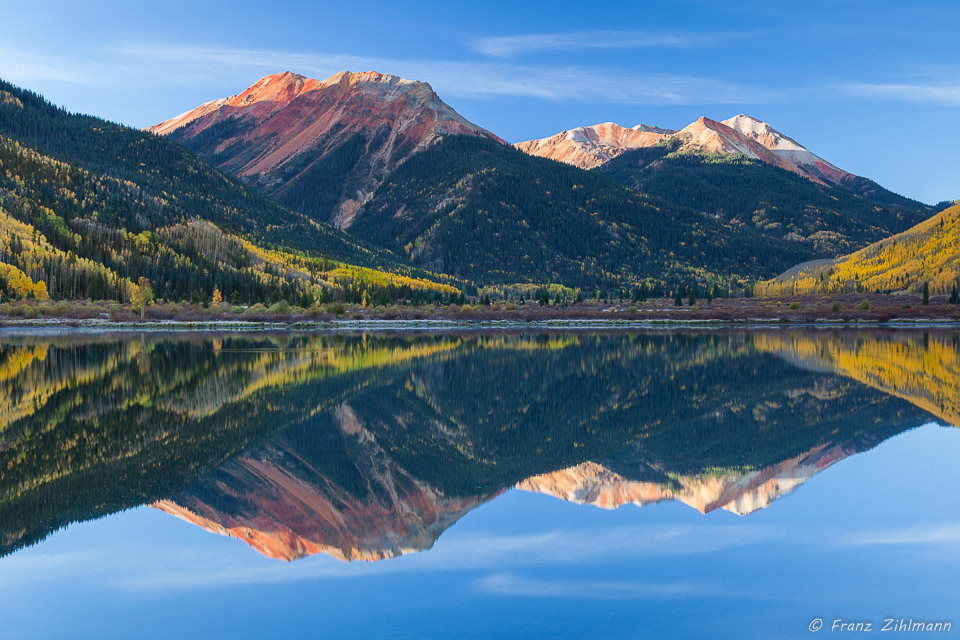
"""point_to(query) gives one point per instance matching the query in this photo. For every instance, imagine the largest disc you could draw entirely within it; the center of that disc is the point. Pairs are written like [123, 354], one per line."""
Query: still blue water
[872, 537]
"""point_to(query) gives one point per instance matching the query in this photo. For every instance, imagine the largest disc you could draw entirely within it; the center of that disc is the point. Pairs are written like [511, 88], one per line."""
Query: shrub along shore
[874, 308]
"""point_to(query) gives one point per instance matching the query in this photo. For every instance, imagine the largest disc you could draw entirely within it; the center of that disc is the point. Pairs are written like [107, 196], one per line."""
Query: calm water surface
[610, 485]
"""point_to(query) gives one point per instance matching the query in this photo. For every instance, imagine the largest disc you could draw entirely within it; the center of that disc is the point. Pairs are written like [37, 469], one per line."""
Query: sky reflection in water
[870, 537]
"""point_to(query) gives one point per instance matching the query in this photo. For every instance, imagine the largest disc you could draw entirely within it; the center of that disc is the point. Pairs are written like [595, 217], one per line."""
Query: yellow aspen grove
[137, 304]
[146, 290]
[141, 295]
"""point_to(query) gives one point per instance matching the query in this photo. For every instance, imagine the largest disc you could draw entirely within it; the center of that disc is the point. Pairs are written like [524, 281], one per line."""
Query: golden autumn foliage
[921, 368]
[927, 253]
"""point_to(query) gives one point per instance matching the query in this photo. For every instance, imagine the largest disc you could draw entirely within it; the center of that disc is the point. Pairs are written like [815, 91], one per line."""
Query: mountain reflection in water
[370, 446]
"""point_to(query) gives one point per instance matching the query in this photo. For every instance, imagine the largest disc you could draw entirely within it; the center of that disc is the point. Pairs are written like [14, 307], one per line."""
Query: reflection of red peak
[279, 127]
[285, 509]
[591, 483]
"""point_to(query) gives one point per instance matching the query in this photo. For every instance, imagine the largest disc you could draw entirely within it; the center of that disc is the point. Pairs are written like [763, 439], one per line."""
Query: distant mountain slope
[742, 135]
[321, 147]
[927, 253]
[589, 147]
[749, 192]
[484, 211]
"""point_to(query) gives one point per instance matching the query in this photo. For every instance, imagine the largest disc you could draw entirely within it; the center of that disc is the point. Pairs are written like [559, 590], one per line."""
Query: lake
[646, 484]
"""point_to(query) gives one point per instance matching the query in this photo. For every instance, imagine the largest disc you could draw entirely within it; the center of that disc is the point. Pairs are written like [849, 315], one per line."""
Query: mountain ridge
[294, 136]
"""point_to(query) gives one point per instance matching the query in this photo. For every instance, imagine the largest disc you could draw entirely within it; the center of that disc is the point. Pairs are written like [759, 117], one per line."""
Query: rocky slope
[789, 150]
[321, 146]
[589, 147]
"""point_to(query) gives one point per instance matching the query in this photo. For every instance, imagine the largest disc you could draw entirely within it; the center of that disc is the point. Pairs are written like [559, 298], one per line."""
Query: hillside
[319, 146]
[88, 207]
[928, 254]
[486, 212]
[748, 193]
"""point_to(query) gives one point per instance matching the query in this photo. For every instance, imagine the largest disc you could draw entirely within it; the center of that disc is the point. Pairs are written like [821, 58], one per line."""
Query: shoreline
[98, 325]
[833, 311]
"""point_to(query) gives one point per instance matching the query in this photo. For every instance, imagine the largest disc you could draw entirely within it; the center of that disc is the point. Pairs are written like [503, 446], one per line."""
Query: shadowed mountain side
[483, 211]
[748, 194]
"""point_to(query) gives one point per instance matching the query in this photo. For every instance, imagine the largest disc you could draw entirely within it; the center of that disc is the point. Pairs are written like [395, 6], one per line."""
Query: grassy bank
[805, 309]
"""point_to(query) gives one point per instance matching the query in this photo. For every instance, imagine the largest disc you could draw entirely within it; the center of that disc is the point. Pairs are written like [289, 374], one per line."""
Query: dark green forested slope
[163, 169]
[748, 194]
[487, 212]
[88, 207]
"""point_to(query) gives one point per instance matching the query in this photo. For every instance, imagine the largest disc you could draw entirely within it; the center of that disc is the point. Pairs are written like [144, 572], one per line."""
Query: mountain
[811, 165]
[788, 150]
[712, 137]
[589, 147]
[87, 207]
[319, 146]
[480, 210]
[753, 192]
[741, 136]
[928, 253]
[732, 203]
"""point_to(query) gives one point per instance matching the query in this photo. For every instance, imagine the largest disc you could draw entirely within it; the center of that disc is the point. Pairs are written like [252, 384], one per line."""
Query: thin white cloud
[156, 66]
[941, 94]
[918, 536]
[20, 67]
[188, 568]
[512, 585]
[465, 78]
[510, 46]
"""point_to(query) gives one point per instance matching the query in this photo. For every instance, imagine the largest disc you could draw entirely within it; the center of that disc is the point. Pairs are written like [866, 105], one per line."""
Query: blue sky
[872, 86]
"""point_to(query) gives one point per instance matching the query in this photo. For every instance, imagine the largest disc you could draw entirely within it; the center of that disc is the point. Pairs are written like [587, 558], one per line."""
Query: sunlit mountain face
[366, 447]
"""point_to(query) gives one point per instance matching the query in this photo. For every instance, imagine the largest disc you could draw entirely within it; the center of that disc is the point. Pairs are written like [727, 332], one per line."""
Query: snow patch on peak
[791, 151]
